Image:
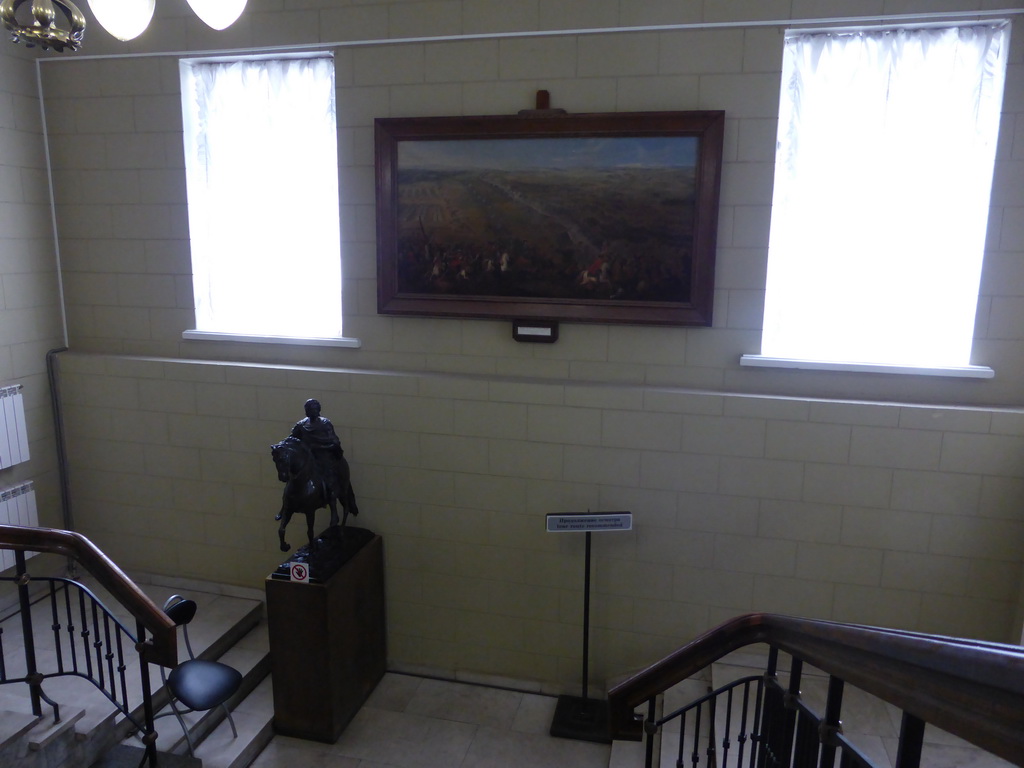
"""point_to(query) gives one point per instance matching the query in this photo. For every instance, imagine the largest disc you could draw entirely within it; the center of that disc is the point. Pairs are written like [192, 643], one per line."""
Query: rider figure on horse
[312, 466]
[317, 433]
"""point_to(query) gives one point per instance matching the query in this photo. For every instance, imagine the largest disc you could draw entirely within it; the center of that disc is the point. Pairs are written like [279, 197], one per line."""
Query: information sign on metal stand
[581, 717]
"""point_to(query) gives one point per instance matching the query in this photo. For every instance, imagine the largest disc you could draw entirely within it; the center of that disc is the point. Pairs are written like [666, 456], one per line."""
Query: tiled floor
[414, 722]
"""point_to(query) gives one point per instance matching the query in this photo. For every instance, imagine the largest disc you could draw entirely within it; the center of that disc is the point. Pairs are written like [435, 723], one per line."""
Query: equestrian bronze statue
[312, 466]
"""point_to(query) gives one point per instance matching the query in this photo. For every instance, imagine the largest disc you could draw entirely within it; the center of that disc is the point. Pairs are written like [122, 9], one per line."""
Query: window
[261, 163]
[885, 151]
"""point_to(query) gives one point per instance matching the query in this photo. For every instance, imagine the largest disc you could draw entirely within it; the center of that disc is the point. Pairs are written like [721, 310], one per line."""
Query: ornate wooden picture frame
[605, 218]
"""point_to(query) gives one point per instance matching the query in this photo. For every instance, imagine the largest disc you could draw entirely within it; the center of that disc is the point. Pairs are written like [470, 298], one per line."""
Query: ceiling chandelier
[42, 30]
[124, 19]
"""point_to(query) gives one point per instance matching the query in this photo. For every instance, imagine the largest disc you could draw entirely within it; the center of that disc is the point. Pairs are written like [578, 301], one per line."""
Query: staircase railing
[89, 641]
[699, 720]
[972, 689]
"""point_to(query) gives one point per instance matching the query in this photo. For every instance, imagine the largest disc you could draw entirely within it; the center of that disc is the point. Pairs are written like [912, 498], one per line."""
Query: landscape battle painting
[609, 222]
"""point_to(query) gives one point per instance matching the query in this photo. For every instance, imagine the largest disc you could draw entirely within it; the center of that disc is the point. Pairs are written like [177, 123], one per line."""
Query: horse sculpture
[306, 489]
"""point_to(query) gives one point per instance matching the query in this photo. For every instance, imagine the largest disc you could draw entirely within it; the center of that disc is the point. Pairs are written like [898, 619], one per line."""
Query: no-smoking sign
[299, 572]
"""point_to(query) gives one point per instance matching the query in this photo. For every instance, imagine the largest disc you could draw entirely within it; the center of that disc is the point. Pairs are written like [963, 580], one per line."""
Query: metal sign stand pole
[580, 717]
[586, 619]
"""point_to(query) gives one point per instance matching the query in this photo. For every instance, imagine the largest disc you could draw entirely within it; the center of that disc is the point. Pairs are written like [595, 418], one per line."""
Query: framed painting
[602, 218]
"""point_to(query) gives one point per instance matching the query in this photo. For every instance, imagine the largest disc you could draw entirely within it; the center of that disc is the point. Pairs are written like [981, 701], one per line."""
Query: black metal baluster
[908, 754]
[755, 733]
[774, 723]
[682, 738]
[728, 730]
[109, 655]
[56, 627]
[741, 737]
[26, 630]
[121, 667]
[711, 731]
[649, 730]
[70, 629]
[831, 726]
[149, 739]
[97, 646]
[3, 664]
[805, 749]
[33, 676]
[796, 666]
[84, 634]
[695, 755]
[770, 746]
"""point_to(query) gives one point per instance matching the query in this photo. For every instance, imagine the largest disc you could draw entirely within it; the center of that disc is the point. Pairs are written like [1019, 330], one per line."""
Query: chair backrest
[181, 611]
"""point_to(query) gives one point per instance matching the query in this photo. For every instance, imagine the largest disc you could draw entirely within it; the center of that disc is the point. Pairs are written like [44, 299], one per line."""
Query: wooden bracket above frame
[542, 108]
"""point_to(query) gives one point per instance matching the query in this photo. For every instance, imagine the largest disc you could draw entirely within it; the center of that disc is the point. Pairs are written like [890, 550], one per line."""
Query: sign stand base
[581, 719]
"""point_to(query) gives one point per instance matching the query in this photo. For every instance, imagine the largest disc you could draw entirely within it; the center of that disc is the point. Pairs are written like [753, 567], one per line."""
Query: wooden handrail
[161, 646]
[970, 688]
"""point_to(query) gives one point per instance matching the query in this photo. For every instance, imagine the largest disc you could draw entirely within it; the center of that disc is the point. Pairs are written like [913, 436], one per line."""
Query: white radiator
[17, 507]
[13, 434]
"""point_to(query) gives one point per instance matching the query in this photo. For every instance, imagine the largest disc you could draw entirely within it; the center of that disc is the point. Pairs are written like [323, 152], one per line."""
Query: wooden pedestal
[327, 646]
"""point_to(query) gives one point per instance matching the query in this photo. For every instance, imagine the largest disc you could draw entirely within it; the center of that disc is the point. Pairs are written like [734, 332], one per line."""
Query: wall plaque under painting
[606, 218]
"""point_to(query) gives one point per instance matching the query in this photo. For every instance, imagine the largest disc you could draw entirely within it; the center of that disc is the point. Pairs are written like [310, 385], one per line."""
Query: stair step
[627, 754]
[124, 756]
[43, 744]
[97, 711]
[225, 622]
[254, 718]
[13, 726]
[46, 731]
[14, 697]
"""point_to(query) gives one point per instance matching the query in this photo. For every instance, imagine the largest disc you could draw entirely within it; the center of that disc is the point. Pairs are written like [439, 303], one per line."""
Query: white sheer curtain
[261, 160]
[883, 172]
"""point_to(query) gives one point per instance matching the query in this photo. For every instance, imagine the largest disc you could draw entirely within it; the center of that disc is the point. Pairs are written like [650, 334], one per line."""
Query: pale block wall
[896, 515]
[888, 500]
[30, 316]
[115, 134]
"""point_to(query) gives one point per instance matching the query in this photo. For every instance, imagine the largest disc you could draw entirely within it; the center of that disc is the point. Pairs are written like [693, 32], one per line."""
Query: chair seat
[201, 684]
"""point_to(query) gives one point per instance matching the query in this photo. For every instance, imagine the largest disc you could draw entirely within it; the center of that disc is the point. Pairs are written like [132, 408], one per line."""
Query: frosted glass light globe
[219, 14]
[124, 19]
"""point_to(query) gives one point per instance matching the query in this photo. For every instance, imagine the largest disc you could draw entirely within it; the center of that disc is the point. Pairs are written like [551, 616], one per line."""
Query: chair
[198, 684]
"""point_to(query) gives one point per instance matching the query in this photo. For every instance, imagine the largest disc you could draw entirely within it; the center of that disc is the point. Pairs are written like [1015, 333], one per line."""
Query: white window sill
[959, 372]
[308, 341]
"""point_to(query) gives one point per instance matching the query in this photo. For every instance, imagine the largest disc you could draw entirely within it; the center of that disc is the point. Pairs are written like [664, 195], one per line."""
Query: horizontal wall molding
[690, 26]
[548, 382]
